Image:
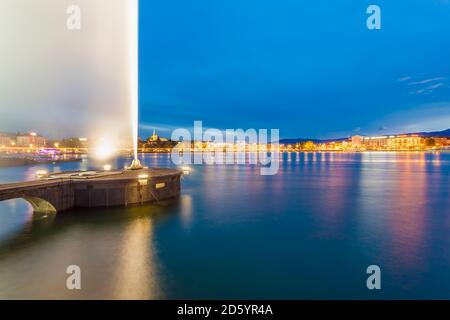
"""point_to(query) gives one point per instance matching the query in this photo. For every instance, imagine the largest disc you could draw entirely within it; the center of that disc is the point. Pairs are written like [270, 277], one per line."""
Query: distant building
[74, 143]
[31, 140]
[155, 138]
[405, 142]
[6, 140]
[437, 142]
[357, 142]
[400, 142]
[375, 143]
[156, 142]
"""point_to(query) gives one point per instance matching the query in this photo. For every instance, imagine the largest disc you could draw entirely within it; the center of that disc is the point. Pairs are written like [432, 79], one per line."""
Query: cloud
[430, 89]
[425, 81]
[437, 85]
[426, 86]
[403, 79]
[427, 117]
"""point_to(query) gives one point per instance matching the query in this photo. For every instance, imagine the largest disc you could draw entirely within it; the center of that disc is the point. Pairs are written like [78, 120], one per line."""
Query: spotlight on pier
[186, 170]
[41, 174]
[143, 179]
[107, 167]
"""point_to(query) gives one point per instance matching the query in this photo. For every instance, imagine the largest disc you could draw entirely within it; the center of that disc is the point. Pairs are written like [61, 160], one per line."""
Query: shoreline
[7, 162]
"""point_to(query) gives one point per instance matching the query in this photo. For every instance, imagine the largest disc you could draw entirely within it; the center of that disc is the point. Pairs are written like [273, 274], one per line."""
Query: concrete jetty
[58, 192]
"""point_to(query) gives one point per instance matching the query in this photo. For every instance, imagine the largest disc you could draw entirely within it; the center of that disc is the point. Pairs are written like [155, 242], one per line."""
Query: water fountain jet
[134, 79]
[135, 165]
[61, 191]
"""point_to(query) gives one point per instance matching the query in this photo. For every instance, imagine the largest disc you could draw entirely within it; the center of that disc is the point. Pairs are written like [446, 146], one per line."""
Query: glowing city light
[160, 185]
[143, 179]
[105, 149]
[41, 173]
[186, 170]
[107, 167]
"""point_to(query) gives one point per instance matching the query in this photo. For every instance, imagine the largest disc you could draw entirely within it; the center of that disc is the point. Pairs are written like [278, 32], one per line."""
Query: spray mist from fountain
[134, 78]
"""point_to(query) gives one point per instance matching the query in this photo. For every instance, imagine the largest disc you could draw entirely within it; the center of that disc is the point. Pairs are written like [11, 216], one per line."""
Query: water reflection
[186, 209]
[136, 273]
[114, 249]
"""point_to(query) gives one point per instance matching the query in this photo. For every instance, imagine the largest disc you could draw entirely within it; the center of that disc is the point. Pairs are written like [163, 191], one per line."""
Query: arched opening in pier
[41, 206]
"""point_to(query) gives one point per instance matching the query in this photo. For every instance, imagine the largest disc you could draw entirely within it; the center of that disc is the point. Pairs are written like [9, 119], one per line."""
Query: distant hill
[300, 140]
[444, 133]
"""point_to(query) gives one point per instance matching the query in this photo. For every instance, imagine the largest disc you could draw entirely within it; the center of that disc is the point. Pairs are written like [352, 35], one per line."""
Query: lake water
[308, 232]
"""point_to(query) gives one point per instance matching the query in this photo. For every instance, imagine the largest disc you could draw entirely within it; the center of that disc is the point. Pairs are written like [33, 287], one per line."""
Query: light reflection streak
[186, 209]
[136, 272]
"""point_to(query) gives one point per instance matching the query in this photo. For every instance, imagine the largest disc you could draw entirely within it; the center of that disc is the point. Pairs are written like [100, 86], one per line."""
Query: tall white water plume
[134, 73]
[62, 81]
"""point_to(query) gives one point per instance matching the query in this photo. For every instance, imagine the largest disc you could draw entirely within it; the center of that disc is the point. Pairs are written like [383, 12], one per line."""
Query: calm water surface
[308, 232]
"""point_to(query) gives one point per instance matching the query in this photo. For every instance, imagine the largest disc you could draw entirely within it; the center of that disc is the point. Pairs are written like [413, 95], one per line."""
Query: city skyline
[437, 133]
[420, 141]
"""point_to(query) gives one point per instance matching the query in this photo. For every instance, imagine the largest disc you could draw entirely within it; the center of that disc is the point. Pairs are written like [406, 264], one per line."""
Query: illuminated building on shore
[31, 140]
[357, 142]
[6, 140]
[405, 142]
[155, 143]
[401, 142]
[392, 142]
[154, 137]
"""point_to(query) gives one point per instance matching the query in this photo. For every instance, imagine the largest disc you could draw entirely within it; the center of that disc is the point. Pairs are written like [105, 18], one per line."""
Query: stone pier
[94, 189]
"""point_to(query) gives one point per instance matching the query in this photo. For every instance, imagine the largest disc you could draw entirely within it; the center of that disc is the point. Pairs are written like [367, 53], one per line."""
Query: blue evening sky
[309, 68]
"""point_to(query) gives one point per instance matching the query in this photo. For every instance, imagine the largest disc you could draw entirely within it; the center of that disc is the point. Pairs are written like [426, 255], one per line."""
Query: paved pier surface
[87, 189]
